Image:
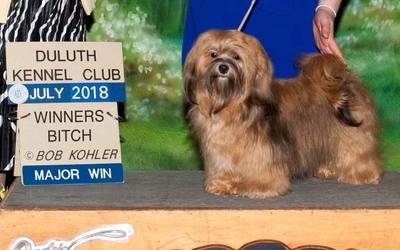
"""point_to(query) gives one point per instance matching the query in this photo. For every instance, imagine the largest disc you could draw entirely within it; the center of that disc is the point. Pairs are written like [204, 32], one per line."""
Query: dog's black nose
[223, 68]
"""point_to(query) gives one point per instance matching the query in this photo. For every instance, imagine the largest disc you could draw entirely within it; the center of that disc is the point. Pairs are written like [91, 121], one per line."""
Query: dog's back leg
[359, 160]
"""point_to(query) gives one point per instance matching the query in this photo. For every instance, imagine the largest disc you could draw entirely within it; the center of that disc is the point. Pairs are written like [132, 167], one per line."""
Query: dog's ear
[189, 70]
[189, 77]
[261, 88]
[263, 80]
[261, 92]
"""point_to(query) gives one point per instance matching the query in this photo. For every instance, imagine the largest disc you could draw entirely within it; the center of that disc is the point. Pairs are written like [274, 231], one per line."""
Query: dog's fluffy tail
[331, 75]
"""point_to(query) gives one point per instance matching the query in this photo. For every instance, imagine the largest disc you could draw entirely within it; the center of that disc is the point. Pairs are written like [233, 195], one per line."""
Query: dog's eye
[213, 54]
[236, 57]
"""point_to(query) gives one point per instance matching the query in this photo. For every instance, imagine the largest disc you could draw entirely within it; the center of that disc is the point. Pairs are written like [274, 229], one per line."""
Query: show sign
[67, 94]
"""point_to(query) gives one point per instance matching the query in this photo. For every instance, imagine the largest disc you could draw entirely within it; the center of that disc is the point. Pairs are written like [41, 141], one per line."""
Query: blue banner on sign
[66, 92]
[72, 174]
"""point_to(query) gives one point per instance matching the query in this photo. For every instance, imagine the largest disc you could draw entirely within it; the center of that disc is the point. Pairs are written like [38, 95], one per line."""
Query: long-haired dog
[256, 133]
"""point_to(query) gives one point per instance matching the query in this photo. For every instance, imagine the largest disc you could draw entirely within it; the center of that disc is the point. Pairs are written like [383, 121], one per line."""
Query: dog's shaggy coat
[256, 133]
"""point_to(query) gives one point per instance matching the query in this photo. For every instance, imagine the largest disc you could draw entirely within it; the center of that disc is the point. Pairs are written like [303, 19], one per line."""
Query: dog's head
[225, 66]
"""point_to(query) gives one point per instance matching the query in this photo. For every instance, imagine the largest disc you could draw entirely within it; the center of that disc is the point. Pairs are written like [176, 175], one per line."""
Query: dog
[256, 133]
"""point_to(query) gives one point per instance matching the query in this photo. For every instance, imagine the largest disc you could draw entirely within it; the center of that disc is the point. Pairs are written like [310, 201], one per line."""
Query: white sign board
[66, 94]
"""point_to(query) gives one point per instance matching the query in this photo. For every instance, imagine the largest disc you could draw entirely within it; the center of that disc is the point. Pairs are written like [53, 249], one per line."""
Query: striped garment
[32, 20]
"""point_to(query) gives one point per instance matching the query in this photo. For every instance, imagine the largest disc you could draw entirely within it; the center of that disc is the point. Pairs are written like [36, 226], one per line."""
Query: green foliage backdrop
[155, 135]
[369, 35]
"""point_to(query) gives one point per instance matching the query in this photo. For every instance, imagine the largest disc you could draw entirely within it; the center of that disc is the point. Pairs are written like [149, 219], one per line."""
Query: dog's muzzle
[223, 78]
[223, 68]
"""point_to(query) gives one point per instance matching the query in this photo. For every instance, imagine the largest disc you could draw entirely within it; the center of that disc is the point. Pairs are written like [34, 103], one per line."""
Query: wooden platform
[170, 210]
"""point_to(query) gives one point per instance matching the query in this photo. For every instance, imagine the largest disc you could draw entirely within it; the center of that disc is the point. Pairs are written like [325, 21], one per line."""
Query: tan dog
[256, 133]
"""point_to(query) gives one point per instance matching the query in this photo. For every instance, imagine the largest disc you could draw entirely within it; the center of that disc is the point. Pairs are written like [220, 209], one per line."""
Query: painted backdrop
[155, 135]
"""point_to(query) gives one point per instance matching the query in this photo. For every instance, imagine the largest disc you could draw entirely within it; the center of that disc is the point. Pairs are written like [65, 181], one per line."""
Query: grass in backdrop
[369, 35]
[156, 136]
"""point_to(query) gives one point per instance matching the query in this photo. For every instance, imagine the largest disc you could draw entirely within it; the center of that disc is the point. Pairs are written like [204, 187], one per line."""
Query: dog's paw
[264, 190]
[263, 194]
[361, 177]
[325, 173]
[221, 187]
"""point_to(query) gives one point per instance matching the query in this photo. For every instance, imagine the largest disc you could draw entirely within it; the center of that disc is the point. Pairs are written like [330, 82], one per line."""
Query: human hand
[323, 28]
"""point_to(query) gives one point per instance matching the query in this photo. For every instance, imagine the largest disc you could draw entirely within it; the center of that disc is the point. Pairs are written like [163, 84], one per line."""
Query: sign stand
[67, 96]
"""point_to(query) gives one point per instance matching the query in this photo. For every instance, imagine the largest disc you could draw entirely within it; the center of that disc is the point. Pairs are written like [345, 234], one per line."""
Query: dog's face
[224, 66]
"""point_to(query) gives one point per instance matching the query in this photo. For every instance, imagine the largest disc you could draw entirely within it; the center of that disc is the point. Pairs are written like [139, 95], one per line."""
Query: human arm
[323, 27]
